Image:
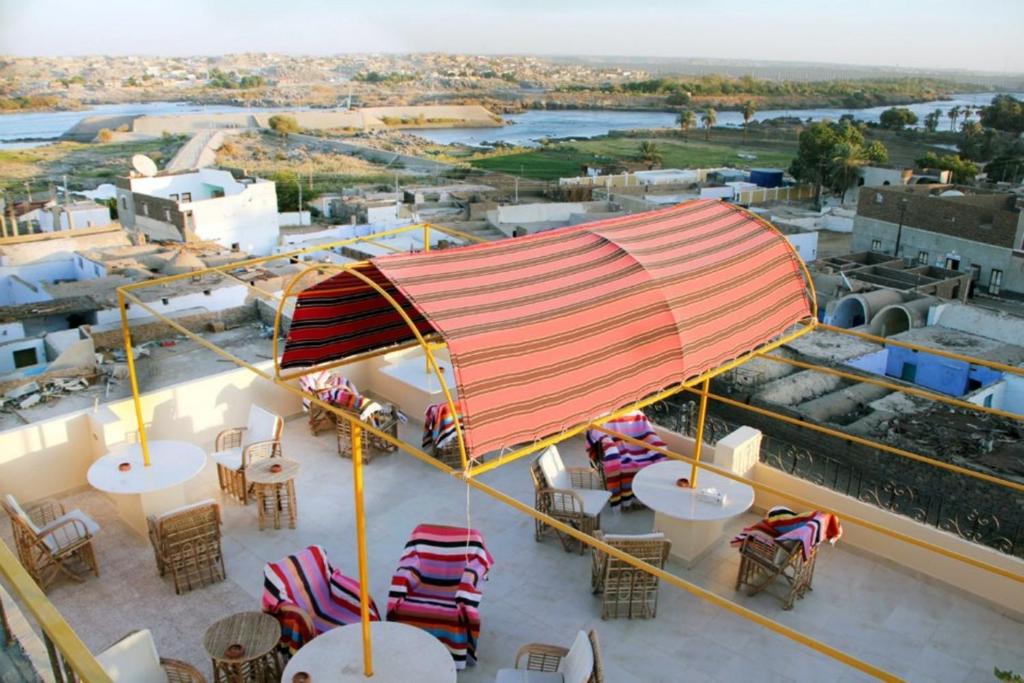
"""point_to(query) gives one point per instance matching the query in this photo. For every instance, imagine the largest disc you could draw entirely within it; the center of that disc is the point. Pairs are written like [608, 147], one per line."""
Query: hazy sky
[915, 33]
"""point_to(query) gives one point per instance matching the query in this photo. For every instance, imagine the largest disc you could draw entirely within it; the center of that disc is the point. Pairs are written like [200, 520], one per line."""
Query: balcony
[870, 599]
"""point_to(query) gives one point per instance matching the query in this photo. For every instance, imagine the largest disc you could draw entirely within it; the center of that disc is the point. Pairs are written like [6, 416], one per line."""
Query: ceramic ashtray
[683, 483]
[301, 677]
[124, 466]
[275, 468]
[234, 651]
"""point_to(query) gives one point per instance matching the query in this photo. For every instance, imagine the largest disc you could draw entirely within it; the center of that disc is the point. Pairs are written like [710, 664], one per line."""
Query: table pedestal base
[133, 508]
[691, 540]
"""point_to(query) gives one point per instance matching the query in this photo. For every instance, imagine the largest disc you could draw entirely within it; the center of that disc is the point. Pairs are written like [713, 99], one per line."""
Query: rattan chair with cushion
[186, 543]
[540, 663]
[239, 447]
[51, 541]
[763, 559]
[628, 591]
[134, 659]
[573, 495]
[316, 383]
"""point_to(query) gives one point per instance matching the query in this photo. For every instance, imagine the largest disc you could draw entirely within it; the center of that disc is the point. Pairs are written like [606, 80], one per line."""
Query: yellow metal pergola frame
[471, 471]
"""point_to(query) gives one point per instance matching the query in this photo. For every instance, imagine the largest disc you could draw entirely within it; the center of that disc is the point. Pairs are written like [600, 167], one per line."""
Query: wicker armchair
[240, 447]
[51, 541]
[186, 542]
[582, 663]
[571, 495]
[449, 453]
[627, 590]
[133, 659]
[763, 559]
[385, 419]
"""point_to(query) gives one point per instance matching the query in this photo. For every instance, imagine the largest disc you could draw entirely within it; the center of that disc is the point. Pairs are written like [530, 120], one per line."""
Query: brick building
[952, 227]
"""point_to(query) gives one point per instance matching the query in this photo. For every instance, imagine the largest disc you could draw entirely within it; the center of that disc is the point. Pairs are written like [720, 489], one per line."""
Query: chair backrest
[652, 548]
[188, 524]
[595, 644]
[578, 664]
[554, 470]
[133, 659]
[263, 425]
[305, 580]
[16, 512]
[441, 555]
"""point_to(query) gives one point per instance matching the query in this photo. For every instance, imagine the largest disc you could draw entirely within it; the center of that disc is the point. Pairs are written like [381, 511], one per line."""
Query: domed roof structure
[182, 262]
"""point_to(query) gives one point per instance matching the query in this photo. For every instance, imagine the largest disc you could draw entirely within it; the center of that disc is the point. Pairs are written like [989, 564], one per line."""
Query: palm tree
[953, 115]
[967, 112]
[687, 120]
[650, 153]
[748, 112]
[709, 119]
[931, 121]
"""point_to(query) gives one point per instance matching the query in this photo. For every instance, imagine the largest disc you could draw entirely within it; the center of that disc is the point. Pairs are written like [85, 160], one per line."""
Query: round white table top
[656, 488]
[171, 463]
[401, 653]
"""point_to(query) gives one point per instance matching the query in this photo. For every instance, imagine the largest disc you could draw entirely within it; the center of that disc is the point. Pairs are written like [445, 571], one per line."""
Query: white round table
[142, 491]
[401, 654]
[692, 525]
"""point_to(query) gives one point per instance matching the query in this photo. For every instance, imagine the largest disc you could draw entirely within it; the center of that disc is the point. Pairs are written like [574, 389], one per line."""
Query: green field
[567, 159]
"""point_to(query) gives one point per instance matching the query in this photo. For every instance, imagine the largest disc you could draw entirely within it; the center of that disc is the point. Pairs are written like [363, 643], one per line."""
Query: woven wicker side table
[258, 634]
[275, 490]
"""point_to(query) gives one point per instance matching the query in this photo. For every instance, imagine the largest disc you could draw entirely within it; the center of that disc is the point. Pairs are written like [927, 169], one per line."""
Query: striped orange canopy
[548, 331]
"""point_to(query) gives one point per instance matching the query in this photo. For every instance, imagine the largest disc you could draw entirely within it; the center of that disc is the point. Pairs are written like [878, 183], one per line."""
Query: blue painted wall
[944, 375]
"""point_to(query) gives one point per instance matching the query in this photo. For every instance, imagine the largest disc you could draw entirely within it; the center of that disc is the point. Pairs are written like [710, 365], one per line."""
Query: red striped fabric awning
[551, 330]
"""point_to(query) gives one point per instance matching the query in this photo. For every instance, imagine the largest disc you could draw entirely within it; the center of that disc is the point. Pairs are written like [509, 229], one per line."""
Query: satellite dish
[144, 165]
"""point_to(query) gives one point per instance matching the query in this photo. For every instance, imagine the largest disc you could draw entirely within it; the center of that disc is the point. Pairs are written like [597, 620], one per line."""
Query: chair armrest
[584, 478]
[560, 497]
[540, 657]
[229, 438]
[261, 450]
[78, 526]
[181, 672]
[44, 511]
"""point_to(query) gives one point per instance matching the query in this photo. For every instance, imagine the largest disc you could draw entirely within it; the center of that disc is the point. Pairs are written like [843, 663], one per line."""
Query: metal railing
[999, 526]
[70, 660]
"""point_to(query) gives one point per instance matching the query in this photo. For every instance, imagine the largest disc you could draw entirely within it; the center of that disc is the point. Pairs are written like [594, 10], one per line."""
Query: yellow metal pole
[426, 237]
[364, 575]
[698, 446]
[143, 442]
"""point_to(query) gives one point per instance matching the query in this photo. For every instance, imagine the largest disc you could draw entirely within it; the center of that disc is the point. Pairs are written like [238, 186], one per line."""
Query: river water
[524, 129]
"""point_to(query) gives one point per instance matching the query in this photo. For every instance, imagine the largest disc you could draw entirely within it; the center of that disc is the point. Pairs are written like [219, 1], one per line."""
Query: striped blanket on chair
[782, 524]
[435, 586]
[438, 426]
[308, 597]
[619, 460]
[318, 383]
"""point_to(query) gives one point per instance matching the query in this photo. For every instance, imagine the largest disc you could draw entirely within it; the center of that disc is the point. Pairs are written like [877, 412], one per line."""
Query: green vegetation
[1006, 113]
[897, 118]
[231, 81]
[748, 110]
[931, 121]
[829, 154]
[391, 77]
[649, 153]
[611, 152]
[963, 170]
[686, 120]
[708, 119]
[86, 164]
[846, 93]
[283, 124]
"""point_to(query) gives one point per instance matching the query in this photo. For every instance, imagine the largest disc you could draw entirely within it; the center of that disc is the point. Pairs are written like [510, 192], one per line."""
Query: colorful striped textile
[438, 426]
[435, 586]
[309, 597]
[316, 383]
[553, 329]
[621, 460]
[782, 524]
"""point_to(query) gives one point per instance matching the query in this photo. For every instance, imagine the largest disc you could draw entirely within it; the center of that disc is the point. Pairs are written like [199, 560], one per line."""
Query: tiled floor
[915, 628]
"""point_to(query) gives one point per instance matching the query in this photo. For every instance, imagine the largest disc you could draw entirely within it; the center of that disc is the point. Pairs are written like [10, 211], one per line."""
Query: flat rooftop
[910, 625]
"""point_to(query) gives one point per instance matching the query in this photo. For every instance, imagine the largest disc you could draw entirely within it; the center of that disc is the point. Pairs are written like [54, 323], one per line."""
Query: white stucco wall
[8, 349]
[806, 243]
[219, 299]
[82, 218]
[248, 219]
